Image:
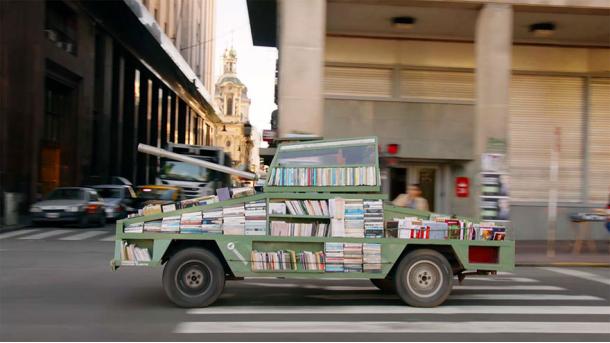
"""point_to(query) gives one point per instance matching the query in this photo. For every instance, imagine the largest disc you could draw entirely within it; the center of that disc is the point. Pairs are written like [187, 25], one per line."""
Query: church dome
[230, 78]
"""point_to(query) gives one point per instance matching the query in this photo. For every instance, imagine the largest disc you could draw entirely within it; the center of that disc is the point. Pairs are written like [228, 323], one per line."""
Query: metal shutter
[354, 81]
[539, 104]
[437, 85]
[599, 140]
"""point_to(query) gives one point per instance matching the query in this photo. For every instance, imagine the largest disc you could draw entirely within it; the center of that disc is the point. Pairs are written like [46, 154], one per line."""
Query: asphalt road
[56, 284]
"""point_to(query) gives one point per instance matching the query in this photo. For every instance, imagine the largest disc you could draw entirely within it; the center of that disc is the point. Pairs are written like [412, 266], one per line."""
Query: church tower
[232, 100]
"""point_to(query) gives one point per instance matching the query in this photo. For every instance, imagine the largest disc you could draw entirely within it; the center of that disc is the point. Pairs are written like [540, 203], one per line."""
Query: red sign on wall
[461, 187]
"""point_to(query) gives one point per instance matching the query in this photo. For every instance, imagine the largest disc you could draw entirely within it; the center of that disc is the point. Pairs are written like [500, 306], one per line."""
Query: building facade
[234, 105]
[445, 83]
[79, 92]
[189, 24]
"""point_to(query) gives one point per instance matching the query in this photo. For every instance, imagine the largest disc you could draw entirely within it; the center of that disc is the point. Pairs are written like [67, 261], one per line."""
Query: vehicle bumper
[113, 214]
[57, 216]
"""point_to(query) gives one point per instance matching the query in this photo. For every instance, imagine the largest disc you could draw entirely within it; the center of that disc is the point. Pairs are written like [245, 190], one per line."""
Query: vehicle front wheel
[424, 278]
[193, 277]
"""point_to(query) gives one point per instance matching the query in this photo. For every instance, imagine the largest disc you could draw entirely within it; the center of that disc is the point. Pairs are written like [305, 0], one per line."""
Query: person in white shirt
[412, 199]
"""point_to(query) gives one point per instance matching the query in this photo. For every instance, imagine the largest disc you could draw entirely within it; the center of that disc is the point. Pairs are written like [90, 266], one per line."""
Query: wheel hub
[193, 278]
[424, 279]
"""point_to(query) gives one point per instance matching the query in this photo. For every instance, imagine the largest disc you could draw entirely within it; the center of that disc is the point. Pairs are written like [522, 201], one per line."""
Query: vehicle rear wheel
[424, 278]
[83, 221]
[386, 285]
[102, 220]
[193, 277]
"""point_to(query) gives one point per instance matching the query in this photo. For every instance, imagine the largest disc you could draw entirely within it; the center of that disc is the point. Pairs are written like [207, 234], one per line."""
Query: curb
[13, 228]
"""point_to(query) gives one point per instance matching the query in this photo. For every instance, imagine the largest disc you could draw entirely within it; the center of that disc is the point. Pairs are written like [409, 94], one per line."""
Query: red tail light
[478, 254]
[92, 208]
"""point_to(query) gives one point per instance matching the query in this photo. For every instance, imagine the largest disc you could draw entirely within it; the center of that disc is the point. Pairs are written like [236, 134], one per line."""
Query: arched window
[230, 105]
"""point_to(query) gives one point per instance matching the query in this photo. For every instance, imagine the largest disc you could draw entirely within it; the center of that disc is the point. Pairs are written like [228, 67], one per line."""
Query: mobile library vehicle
[321, 215]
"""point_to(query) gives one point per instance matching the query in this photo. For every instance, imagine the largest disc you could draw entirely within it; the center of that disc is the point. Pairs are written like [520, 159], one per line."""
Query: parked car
[118, 200]
[71, 205]
[157, 194]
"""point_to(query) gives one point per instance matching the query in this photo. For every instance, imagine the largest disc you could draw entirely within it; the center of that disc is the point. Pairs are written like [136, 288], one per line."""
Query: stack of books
[212, 221]
[371, 257]
[336, 209]
[152, 226]
[339, 176]
[373, 218]
[282, 228]
[234, 220]
[278, 260]
[311, 260]
[170, 224]
[354, 218]
[307, 207]
[277, 208]
[352, 257]
[134, 228]
[191, 222]
[333, 253]
[132, 255]
[256, 212]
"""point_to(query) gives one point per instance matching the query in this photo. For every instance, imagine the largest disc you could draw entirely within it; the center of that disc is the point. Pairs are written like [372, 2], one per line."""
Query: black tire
[83, 221]
[423, 278]
[193, 277]
[102, 220]
[385, 285]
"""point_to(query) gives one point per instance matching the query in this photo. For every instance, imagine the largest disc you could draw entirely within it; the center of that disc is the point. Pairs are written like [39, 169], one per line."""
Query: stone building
[232, 100]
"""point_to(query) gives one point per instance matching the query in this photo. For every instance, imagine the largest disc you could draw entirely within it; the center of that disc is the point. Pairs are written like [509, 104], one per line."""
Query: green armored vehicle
[321, 215]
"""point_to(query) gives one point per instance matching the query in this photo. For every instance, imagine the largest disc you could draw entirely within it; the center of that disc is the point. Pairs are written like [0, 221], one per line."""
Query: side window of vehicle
[131, 194]
[93, 196]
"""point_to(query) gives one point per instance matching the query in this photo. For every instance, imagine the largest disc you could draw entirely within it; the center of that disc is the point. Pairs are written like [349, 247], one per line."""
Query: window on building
[156, 15]
[61, 26]
[230, 106]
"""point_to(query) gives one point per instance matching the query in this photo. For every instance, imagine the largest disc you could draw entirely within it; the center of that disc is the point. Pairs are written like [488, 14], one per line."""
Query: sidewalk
[534, 253]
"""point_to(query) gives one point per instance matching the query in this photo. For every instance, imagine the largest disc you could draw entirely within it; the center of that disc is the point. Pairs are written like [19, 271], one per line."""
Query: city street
[56, 284]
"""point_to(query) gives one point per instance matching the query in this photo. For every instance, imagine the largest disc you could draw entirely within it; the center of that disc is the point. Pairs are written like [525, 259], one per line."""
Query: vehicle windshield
[326, 155]
[109, 193]
[66, 194]
[174, 170]
[146, 193]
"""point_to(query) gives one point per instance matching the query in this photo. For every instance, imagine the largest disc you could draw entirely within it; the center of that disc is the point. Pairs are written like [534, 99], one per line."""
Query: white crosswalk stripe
[495, 296]
[47, 234]
[111, 238]
[402, 309]
[17, 233]
[83, 235]
[579, 274]
[390, 327]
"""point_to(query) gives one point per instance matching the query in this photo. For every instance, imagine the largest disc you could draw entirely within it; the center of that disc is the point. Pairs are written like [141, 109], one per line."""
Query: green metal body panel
[236, 250]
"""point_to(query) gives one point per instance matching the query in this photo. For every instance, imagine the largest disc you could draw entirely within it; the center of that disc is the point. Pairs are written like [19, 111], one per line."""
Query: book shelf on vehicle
[349, 165]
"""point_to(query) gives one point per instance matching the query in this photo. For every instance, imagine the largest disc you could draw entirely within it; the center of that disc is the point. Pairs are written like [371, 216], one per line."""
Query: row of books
[300, 207]
[352, 257]
[287, 260]
[158, 208]
[320, 177]
[278, 260]
[443, 228]
[132, 255]
[286, 229]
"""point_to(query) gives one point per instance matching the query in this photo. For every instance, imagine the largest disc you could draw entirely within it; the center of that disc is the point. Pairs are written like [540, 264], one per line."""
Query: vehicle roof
[110, 186]
[82, 188]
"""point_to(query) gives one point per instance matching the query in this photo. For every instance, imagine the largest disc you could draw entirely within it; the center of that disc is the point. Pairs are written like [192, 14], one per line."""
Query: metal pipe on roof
[151, 150]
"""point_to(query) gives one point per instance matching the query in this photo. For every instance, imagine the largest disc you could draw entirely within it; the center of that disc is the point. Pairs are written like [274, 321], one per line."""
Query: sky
[255, 65]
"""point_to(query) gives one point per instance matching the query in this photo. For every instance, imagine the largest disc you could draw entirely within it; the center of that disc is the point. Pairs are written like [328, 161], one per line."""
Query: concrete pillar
[493, 45]
[302, 30]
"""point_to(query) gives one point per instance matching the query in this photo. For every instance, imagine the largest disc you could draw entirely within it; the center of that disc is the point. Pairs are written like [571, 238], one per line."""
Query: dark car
[119, 200]
[79, 205]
